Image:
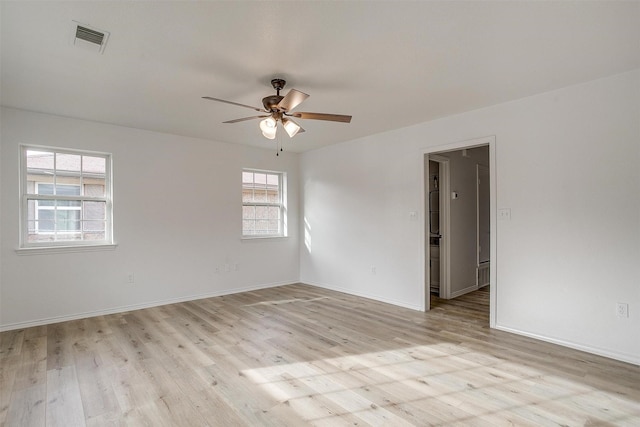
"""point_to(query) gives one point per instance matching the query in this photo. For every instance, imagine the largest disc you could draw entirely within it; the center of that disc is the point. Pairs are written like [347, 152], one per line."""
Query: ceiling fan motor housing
[271, 102]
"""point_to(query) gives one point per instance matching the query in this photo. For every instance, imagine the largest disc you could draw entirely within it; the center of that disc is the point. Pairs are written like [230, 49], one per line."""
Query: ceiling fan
[278, 109]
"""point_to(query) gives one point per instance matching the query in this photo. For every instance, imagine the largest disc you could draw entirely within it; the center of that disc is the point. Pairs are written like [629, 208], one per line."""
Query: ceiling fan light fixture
[268, 124]
[290, 126]
[268, 127]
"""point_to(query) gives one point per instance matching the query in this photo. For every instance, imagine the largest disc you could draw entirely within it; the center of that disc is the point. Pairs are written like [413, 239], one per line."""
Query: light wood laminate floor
[299, 355]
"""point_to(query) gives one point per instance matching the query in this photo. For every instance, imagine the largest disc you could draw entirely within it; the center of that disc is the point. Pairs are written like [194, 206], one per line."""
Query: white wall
[567, 164]
[177, 216]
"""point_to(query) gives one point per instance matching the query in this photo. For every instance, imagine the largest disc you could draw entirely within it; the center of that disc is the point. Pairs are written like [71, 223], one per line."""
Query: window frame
[281, 204]
[26, 196]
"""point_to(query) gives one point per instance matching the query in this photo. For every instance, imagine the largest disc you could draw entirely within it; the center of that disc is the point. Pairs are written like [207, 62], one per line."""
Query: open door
[437, 227]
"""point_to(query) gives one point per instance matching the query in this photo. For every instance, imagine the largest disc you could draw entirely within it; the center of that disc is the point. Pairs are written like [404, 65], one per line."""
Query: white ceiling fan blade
[234, 103]
[322, 116]
[245, 118]
[292, 99]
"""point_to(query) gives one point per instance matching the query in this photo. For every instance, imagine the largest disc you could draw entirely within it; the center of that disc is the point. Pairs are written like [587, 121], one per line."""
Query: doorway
[460, 253]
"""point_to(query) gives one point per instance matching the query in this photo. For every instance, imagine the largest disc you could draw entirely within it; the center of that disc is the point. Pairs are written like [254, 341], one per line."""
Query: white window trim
[26, 247]
[282, 204]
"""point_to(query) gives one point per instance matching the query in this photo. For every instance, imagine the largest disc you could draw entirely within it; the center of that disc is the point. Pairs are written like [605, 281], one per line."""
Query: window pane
[64, 203]
[248, 212]
[94, 210]
[39, 160]
[44, 189]
[93, 226]
[247, 177]
[260, 179]
[247, 195]
[273, 196]
[94, 165]
[272, 180]
[60, 189]
[274, 212]
[69, 180]
[41, 237]
[94, 190]
[261, 212]
[259, 196]
[248, 226]
[68, 162]
[67, 220]
[94, 235]
[46, 220]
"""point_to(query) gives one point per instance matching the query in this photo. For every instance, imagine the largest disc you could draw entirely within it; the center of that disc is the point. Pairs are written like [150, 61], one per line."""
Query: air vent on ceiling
[89, 37]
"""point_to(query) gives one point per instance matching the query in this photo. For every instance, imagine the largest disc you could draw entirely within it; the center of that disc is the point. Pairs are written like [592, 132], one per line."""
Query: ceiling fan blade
[292, 99]
[245, 118]
[234, 103]
[322, 116]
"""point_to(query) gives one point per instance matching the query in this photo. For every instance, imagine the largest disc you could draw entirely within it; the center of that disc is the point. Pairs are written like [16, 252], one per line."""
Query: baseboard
[464, 291]
[623, 357]
[125, 308]
[366, 295]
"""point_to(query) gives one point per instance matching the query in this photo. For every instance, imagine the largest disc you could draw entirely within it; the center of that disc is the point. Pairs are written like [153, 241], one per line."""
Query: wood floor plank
[300, 355]
[11, 343]
[27, 407]
[32, 369]
[64, 403]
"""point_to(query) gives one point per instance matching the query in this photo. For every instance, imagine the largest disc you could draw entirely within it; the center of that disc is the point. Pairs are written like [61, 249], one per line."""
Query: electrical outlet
[131, 278]
[504, 214]
[373, 269]
[622, 309]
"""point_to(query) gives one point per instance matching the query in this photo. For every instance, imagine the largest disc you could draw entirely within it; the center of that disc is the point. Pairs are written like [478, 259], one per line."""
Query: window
[263, 204]
[66, 198]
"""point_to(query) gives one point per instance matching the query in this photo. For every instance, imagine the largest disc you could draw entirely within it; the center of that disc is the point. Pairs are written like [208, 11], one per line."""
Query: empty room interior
[320, 213]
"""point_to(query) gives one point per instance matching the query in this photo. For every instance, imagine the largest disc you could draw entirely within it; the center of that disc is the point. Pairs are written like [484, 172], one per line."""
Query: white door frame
[479, 168]
[471, 143]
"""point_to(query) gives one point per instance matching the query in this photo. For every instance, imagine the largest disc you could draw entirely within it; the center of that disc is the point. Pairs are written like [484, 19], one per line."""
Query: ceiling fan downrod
[278, 85]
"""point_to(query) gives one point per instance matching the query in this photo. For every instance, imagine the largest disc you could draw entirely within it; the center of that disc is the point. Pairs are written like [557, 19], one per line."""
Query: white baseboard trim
[132, 307]
[464, 291]
[623, 357]
[366, 295]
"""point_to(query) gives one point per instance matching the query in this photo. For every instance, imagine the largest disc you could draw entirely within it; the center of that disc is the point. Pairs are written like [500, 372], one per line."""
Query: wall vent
[88, 37]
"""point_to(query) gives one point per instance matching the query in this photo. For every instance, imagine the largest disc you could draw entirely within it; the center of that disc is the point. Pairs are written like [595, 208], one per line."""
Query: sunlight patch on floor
[440, 384]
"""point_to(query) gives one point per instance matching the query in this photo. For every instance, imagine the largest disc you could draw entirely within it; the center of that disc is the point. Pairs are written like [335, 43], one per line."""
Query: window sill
[43, 250]
[249, 238]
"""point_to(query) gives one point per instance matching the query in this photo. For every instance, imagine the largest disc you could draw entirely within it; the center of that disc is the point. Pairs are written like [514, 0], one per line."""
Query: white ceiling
[389, 64]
